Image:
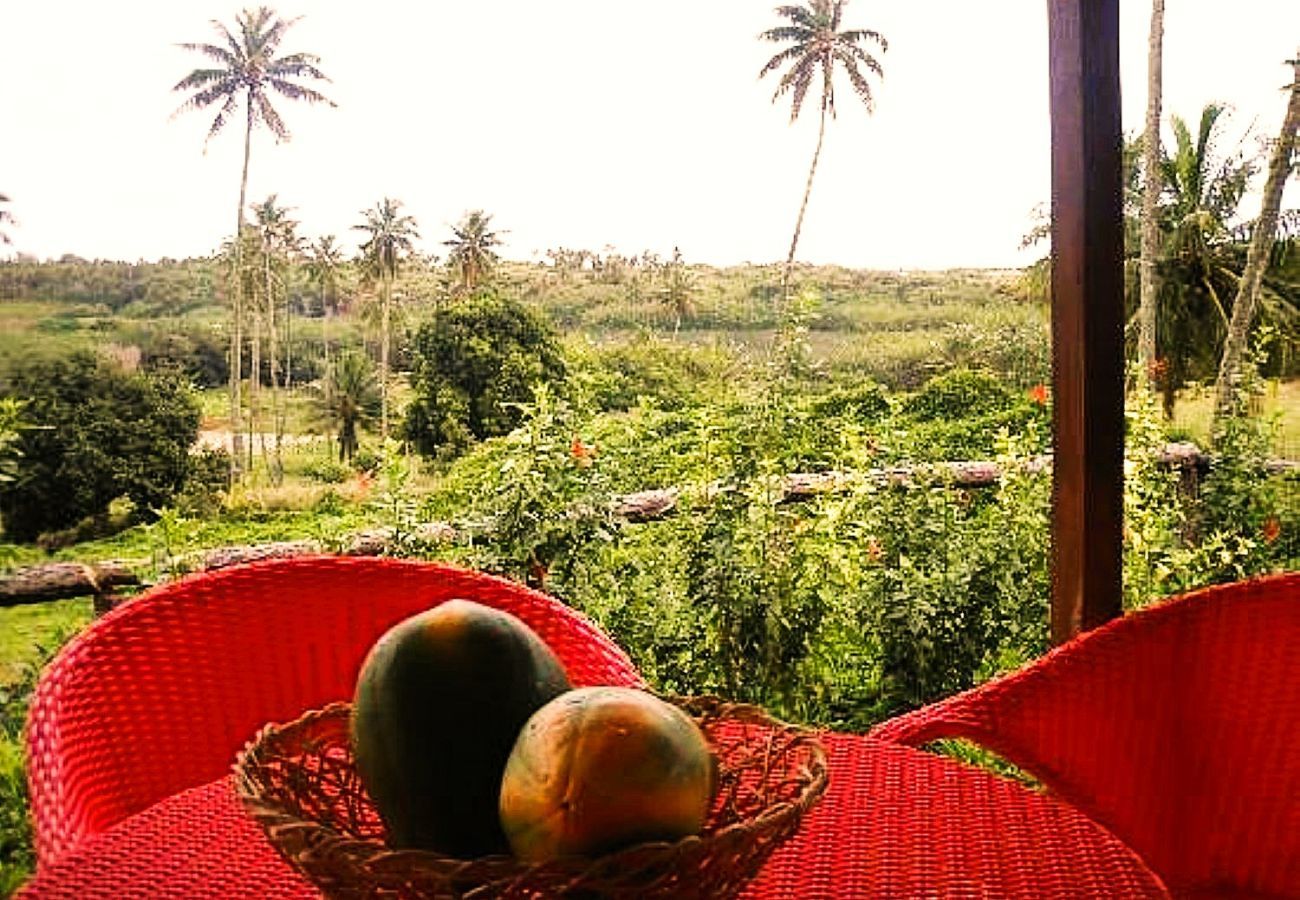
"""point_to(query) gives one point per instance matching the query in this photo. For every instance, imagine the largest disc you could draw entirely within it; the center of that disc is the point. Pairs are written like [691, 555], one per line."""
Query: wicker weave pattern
[159, 695]
[299, 782]
[1176, 727]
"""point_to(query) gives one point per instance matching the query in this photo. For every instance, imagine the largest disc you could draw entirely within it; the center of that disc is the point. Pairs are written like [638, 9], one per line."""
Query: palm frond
[298, 92]
[801, 84]
[212, 51]
[271, 118]
[222, 117]
[857, 79]
[855, 35]
[791, 33]
[780, 58]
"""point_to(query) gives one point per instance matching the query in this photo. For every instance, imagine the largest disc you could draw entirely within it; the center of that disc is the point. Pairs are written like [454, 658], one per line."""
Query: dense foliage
[475, 361]
[94, 433]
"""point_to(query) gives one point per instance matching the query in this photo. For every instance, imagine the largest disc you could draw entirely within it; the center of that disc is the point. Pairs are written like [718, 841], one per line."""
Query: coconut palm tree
[1198, 271]
[390, 237]
[347, 398]
[1247, 299]
[246, 68]
[472, 255]
[816, 48]
[323, 260]
[6, 217]
[277, 243]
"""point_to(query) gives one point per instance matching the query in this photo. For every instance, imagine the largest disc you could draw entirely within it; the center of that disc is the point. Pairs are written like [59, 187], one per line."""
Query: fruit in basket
[599, 769]
[439, 703]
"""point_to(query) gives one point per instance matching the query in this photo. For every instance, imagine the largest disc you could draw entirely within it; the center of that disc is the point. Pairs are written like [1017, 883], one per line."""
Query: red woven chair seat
[1176, 727]
[159, 695]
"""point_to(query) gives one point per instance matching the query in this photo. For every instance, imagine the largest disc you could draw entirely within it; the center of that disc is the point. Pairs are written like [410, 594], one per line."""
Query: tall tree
[6, 218]
[1280, 168]
[248, 69]
[390, 239]
[816, 48]
[472, 254]
[277, 243]
[1151, 191]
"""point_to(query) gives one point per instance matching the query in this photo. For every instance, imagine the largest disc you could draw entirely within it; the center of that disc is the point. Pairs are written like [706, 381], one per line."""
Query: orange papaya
[599, 769]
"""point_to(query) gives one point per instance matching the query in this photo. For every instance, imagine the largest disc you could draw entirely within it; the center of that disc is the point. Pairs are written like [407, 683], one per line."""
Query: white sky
[582, 123]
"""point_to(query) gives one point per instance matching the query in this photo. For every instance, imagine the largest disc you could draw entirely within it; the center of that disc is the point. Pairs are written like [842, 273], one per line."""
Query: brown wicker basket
[299, 782]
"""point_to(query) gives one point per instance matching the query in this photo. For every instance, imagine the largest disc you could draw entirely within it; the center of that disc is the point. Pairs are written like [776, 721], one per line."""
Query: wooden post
[1087, 315]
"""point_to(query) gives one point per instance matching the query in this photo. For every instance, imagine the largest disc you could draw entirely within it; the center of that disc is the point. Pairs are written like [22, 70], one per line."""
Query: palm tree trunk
[1151, 192]
[383, 358]
[236, 330]
[798, 225]
[273, 349]
[1261, 245]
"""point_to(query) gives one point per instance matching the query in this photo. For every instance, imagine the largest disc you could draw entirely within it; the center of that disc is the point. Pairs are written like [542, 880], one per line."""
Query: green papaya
[439, 702]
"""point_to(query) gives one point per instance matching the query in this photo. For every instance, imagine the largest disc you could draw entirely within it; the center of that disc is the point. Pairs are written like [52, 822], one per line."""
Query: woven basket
[299, 782]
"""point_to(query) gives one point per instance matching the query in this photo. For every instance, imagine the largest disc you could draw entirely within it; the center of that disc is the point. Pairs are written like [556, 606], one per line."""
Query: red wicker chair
[160, 694]
[1176, 727]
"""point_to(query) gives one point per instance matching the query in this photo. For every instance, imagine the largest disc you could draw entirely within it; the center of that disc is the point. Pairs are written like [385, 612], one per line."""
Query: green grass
[24, 629]
[1281, 399]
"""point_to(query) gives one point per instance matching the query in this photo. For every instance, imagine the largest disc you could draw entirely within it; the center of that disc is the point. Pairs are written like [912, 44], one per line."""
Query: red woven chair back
[1176, 727]
[160, 694]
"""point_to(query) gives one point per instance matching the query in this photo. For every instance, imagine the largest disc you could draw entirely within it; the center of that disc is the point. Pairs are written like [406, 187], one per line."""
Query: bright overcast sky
[585, 123]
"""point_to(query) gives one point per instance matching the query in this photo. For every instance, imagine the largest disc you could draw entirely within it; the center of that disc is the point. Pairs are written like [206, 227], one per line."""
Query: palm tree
[346, 399]
[1151, 191]
[818, 46]
[1247, 299]
[323, 260]
[247, 68]
[277, 242]
[472, 256]
[1202, 190]
[5, 216]
[390, 237]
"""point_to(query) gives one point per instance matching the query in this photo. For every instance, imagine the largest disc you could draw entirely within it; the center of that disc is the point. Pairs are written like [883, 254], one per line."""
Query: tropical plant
[12, 425]
[472, 256]
[817, 45]
[679, 288]
[1198, 272]
[389, 240]
[348, 398]
[323, 261]
[248, 69]
[1247, 299]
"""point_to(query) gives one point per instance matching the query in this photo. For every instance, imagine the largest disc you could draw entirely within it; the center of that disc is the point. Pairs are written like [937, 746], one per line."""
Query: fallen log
[62, 580]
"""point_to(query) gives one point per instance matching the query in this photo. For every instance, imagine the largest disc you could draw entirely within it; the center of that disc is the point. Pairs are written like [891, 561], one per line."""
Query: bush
[960, 394]
[97, 434]
[474, 364]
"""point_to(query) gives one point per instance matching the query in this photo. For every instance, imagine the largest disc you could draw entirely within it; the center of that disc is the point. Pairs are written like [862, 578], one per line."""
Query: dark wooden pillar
[1087, 315]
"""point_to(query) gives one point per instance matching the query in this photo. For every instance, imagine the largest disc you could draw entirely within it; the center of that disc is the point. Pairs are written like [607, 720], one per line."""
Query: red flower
[1038, 394]
[1271, 529]
[582, 453]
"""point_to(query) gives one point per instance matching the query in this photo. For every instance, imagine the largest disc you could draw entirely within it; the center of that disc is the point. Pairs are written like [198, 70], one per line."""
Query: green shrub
[960, 394]
[98, 433]
[327, 471]
[474, 363]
